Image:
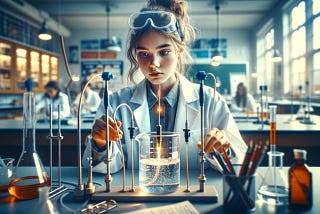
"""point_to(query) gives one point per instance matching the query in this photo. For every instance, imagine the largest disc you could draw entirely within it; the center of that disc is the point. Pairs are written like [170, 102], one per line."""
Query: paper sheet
[182, 207]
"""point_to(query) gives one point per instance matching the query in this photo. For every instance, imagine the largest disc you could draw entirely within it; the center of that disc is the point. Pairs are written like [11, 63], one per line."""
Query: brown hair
[179, 9]
[242, 97]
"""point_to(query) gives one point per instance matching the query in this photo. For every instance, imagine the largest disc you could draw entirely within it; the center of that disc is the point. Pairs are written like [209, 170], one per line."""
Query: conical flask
[29, 172]
[274, 187]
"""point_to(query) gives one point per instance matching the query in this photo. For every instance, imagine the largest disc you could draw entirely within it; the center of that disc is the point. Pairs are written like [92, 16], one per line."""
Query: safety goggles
[160, 20]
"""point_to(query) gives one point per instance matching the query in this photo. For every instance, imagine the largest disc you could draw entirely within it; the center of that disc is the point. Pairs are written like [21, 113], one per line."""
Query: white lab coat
[251, 105]
[92, 98]
[135, 97]
[63, 100]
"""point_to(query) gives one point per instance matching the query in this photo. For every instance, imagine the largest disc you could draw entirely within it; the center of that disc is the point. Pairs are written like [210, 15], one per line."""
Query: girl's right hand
[99, 131]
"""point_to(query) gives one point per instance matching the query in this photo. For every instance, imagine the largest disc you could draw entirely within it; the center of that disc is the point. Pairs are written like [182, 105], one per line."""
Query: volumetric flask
[159, 162]
[29, 172]
[274, 188]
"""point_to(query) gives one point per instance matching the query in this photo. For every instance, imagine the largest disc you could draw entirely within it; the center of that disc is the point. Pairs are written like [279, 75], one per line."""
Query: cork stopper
[300, 154]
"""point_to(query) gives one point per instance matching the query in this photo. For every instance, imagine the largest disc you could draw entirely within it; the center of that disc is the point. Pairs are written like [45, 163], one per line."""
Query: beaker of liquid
[274, 187]
[159, 162]
[29, 172]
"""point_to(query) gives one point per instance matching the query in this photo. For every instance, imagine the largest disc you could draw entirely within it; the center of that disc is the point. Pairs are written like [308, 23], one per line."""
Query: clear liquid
[273, 194]
[159, 175]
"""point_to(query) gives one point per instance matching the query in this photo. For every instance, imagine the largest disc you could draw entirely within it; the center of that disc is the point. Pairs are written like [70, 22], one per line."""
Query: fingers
[215, 139]
[99, 131]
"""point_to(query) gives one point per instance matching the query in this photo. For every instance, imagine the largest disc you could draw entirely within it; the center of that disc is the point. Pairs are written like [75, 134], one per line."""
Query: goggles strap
[179, 30]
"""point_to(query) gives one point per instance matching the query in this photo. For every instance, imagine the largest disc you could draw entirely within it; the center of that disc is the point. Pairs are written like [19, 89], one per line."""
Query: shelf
[18, 62]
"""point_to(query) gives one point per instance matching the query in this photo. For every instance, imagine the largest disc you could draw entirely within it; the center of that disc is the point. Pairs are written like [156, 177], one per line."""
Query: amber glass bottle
[300, 182]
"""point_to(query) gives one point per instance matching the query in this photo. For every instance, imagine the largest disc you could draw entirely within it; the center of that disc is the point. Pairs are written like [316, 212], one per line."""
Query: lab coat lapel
[187, 96]
[141, 112]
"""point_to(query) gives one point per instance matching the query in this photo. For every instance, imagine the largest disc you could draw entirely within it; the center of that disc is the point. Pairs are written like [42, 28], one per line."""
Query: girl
[157, 46]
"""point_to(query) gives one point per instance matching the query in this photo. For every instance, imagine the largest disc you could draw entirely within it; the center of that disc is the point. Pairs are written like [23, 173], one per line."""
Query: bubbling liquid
[159, 175]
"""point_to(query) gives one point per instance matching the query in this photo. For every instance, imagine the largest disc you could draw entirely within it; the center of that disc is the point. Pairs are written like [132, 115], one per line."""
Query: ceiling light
[112, 43]
[215, 63]
[217, 56]
[44, 33]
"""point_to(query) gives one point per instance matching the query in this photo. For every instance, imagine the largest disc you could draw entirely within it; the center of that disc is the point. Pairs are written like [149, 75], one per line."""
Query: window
[265, 67]
[303, 44]
[295, 42]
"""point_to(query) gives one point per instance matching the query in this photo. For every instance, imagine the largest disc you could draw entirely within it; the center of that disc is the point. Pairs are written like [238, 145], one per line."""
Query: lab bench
[9, 205]
[290, 134]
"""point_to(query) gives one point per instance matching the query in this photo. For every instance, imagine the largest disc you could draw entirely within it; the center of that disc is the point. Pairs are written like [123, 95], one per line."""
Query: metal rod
[59, 137]
[202, 178]
[50, 141]
[186, 136]
[106, 77]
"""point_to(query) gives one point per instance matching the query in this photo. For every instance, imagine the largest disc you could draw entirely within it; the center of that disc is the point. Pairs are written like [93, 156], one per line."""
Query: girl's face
[51, 92]
[158, 59]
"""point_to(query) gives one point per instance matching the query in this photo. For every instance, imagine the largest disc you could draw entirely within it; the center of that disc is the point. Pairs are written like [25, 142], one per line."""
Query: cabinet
[18, 62]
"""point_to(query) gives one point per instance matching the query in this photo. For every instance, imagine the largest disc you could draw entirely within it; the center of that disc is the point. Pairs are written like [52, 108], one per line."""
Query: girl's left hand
[214, 139]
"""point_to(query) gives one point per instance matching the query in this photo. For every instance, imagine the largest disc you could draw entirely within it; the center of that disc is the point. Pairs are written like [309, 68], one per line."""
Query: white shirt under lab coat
[135, 97]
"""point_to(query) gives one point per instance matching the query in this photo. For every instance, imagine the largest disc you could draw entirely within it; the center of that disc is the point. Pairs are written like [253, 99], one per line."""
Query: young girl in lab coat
[157, 46]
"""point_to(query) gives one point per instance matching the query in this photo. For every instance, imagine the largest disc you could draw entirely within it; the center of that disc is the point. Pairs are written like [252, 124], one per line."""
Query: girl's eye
[143, 54]
[165, 52]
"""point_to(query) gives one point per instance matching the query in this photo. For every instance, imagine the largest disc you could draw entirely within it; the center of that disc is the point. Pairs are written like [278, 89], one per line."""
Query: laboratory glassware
[29, 172]
[44, 205]
[159, 164]
[300, 182]
[6, 172]
[274, 187]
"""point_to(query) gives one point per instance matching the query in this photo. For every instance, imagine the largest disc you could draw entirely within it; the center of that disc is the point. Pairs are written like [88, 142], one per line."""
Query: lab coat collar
[188, 95]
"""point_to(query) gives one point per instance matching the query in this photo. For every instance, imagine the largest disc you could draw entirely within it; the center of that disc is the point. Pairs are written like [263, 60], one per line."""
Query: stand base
[307, 121]
[209, 195]
[259, 122]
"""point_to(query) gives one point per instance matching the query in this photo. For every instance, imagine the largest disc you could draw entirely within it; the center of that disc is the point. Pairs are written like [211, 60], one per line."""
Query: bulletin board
[223, 74]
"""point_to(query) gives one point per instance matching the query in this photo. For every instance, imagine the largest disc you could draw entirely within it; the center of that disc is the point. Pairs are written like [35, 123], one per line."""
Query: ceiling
[91, 14]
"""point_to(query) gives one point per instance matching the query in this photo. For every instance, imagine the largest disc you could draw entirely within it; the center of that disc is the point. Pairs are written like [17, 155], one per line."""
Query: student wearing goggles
[160, 20]
[158, 51]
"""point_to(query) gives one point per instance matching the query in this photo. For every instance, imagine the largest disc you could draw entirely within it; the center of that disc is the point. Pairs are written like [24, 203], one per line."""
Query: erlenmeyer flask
[274, 188]
[29, 172]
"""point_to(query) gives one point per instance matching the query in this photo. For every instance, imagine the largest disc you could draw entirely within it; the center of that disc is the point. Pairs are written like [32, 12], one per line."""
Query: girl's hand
[214, 139]
[99, 131]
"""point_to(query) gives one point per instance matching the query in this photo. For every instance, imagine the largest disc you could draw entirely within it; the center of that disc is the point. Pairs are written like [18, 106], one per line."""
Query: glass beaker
[44, 204]
[159, 162]
[29, 172]
[6, 172]
[274, 188]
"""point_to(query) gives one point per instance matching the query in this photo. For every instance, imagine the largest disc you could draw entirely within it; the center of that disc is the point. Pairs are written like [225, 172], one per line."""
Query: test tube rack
[194, 195]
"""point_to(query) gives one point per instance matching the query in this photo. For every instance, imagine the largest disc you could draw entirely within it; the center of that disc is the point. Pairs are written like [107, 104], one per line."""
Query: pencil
[246, 159]
[227, 160]
[253, 159]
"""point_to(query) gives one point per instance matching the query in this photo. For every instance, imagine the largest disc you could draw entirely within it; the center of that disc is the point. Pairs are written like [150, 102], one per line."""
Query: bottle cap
[300, 154]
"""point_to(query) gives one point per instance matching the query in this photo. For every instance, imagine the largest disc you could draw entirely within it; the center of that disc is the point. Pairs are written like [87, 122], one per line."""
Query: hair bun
[175, 6]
